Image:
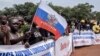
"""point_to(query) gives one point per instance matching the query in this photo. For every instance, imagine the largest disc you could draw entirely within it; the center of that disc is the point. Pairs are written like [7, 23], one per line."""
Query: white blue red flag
[48, 19]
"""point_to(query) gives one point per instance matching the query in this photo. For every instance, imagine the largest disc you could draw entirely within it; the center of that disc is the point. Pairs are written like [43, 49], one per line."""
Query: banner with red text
[97, 39]
[63, 46]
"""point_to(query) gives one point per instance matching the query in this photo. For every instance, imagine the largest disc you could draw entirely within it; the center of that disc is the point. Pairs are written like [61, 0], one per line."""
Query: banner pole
[34, 14]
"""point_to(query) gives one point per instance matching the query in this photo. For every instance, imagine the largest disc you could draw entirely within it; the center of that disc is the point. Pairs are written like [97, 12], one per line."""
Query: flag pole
[34, 14]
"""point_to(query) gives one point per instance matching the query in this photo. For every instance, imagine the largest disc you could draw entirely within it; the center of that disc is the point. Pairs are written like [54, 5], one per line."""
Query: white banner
[40, 49]
[82, 38]
[97, 39]
[63, 46]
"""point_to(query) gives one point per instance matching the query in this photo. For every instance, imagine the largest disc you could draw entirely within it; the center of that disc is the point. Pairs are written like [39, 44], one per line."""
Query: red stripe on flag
[46, 26]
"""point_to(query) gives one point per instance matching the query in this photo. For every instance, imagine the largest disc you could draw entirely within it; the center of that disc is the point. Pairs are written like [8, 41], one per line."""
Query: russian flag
[48, 19]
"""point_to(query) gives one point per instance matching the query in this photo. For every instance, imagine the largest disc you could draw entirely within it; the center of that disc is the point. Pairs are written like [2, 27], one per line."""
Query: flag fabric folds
[48, 19]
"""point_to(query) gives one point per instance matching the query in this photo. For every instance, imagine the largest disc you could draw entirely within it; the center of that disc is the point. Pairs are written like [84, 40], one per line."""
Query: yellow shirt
[96, 28]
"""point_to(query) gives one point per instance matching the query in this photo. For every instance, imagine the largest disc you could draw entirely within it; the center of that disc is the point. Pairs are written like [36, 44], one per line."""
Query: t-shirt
[35, 36]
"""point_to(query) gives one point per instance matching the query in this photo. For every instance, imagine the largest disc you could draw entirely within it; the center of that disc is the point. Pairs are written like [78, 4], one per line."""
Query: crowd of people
[19, 30]
[16, 30]
[82, 25]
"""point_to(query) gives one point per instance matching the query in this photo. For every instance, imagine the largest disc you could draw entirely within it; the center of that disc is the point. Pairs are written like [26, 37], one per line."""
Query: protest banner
[63, 46]
[97, 39]
[83, 38]
[38, 49]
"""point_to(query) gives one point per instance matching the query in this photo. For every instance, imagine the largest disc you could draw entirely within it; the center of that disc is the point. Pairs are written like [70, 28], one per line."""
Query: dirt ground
[87, 51]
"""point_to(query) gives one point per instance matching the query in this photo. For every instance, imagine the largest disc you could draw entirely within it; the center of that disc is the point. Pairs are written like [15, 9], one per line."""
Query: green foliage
[1, 13]
[98, 16]
[81, 11]
[21, 9]
[25, 28]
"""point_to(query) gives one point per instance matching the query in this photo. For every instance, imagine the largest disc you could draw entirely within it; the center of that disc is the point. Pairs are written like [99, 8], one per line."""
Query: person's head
[3, 20]
[95, 23]
[14, 24]
[82, 21]
[21, 20]
[28, 19]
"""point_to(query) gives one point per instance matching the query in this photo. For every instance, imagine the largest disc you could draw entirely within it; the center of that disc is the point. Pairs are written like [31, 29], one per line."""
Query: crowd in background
[20, 30]
[83, 24]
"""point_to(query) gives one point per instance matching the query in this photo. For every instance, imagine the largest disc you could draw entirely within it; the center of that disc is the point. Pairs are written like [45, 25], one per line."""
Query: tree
[10, 11]
[98, 16]
[25, 9]
[1, 12]
[82, 11]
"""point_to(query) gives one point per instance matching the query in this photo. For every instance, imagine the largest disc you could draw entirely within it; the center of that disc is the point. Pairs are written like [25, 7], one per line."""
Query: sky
[64, 3]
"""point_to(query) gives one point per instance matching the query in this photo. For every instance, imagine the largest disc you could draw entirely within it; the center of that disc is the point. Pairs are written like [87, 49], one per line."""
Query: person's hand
[44, 38]
[67, 34]
[27, 45]
[27, 35]
[4, 29]
[51, 37]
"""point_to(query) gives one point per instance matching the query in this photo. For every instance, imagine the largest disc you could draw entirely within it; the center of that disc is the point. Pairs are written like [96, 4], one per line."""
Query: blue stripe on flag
[44, 16]
[59, 27]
